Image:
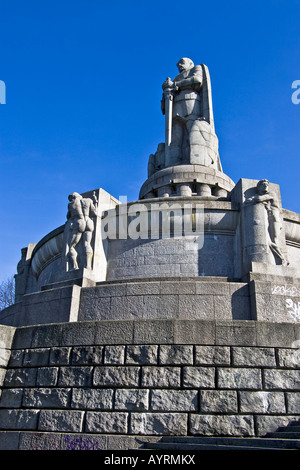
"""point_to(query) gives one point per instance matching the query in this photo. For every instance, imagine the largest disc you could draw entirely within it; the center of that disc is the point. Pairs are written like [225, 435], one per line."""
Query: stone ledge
[136, 332]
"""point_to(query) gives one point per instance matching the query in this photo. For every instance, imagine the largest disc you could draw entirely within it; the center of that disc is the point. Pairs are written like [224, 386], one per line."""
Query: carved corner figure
[270, 200]
[189, 125]
[80, 226]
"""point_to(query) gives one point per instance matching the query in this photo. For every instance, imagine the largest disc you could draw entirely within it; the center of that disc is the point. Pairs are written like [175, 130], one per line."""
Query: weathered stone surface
[282, 379]
[46, 398]
[153, 332]
[18, 419]
[236, 333]
[161, 376]
[132, 399]
[142, 354]
[159, 423]
[92, 398]
[4, 357]
[20, 377]
[293, 402]
[222, 425]
[289, 358]
[123, 376]
[238, 378]
[60, 356]
[253, 357]
[262, 402]
[218, 401]
[47, 376]
[114, 355]
[61, 420]
[212, 355]
[87, 355]
[174, 400]
[106, 422]
[36, 357]
[175, 354]
[194, 332]
[11, 398]
[16, 358]
[80, 376]
[198, 377]
[266, 423]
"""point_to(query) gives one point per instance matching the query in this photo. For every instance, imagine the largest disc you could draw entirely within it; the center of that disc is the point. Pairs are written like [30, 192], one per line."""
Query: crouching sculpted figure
[270, 200]
[189, 125]
[80, 227]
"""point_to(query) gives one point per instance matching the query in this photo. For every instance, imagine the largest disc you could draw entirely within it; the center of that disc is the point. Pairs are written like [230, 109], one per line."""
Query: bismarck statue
[188, 162]
[189, 125]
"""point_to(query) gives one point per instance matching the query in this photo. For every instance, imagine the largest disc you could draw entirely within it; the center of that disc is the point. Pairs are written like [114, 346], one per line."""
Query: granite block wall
[80, 379]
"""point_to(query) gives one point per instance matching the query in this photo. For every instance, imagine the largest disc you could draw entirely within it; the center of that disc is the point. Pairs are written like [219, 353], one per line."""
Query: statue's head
[73, 196]
[185, 64]
[263, 186]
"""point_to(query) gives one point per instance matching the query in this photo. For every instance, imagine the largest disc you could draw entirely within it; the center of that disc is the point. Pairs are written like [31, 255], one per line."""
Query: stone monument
[175, 316]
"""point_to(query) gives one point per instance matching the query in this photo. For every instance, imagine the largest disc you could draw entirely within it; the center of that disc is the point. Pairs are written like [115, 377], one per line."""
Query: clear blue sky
[83, 88]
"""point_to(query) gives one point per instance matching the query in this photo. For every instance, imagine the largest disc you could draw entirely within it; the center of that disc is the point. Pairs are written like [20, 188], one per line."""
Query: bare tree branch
[7, 293]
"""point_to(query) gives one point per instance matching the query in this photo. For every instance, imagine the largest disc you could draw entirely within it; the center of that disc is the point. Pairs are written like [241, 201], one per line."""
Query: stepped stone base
[122, 384]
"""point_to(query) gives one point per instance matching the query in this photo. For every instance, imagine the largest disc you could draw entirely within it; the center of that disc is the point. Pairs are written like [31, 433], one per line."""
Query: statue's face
[182, 65]
[263, 187]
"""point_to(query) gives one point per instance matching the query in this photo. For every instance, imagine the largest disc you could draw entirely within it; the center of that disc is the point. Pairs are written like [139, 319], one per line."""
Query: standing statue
[79, 216]
[270, 201]
[189, 125]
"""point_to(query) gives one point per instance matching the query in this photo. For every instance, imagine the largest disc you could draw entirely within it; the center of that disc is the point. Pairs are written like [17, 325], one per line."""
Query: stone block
[60, 356]
[237, 332]
[46, 398]
[196, 306]
[9, 440]
[153, 332]
[20, 377]
[289, 358]
[76, 376]
[293, 402]
[43, 336]
[92, 398]
[132, 399]
[4, 357]
[78, 334]
[142, 354]
[282, 379]
[85, 355]
[175, 354]
[114, 354]
[143, 288]
[221, 425]
[262, 402]
[266, 423]
[106, 422]
[160, 306]
[16, 358]
[122, 376]
[18, 419]
[11, 398]
[47, 376]
[114, 332]
[212, 355]
[218, 401]
[61, 420]
[194, 332]
[161, 377]
[159, 424]
[239, 378]
[36, 357]
[174, 400]
[6, 336]
[198, 377]
[247, 356]
[275, 334]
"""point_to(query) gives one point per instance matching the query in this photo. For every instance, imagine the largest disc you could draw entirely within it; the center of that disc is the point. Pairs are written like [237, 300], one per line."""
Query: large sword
[168, 107]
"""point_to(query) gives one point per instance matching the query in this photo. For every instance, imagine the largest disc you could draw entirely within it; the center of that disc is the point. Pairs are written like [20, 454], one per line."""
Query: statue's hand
[167, 84]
